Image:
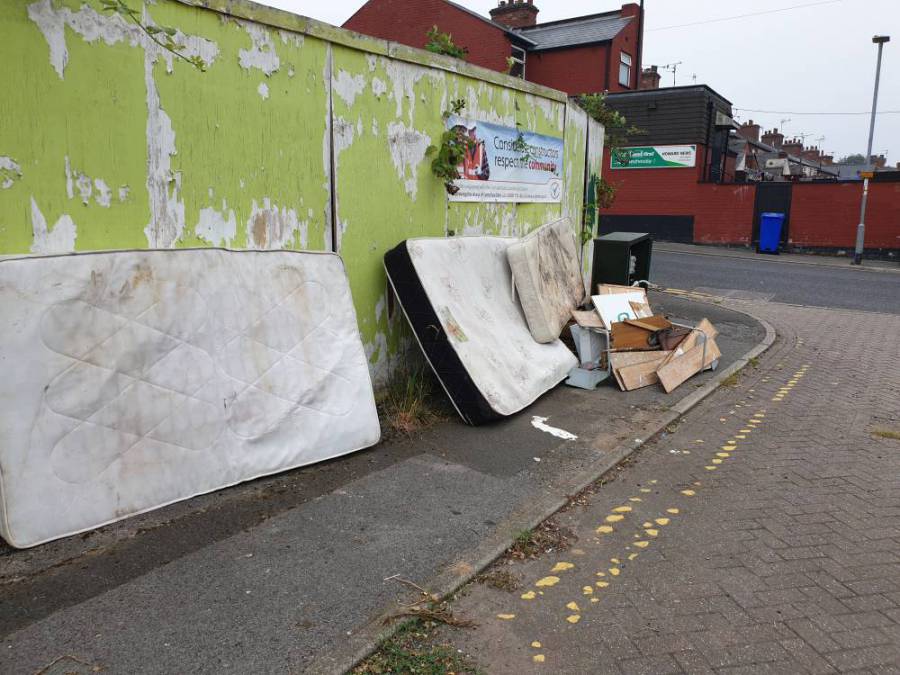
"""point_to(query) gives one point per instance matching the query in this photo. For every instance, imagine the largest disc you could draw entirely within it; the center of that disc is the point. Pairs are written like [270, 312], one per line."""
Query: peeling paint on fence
[10, 172]
[248, 153]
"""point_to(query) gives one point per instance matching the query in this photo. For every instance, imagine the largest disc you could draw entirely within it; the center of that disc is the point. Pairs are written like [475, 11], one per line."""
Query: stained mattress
[547, 274]
[132, 380]
[457, 296]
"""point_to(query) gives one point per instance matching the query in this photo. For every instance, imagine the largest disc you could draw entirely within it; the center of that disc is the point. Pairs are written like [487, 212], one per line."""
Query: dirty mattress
[547, 274]
[132, 380]
[457, 296]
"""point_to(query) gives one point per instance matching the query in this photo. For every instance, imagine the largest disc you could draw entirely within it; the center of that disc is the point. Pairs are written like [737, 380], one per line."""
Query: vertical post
[861, 228]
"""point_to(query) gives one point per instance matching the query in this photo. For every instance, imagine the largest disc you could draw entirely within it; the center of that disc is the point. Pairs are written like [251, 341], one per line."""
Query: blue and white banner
[505, 164]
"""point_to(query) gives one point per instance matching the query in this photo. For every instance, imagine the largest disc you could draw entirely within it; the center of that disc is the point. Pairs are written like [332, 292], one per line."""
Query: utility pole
[861, 228]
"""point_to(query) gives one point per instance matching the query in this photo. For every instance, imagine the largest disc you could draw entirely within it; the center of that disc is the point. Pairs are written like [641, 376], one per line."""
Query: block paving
[762, 535]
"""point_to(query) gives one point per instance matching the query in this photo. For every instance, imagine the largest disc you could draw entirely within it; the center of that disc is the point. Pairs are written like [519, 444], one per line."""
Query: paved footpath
[763, 535]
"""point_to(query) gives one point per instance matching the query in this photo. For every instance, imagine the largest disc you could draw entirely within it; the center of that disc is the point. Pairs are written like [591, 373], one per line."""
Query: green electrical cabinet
[621, 258]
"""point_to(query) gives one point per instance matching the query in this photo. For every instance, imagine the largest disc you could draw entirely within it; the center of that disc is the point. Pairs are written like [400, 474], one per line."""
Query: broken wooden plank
[625, 359]
[639, 375]
[615, 289]
[651, 323]
[636, 333]
[705, 327]
[676, 371]
[641, 309]
[587, 319]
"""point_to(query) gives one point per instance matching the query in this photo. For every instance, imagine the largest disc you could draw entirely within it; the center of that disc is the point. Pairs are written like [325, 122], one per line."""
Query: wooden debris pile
[646, 348]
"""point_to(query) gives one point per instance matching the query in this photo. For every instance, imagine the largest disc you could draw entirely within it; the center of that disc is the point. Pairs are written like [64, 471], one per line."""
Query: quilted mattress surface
[132, 380]
[457, 296]
[548, 278]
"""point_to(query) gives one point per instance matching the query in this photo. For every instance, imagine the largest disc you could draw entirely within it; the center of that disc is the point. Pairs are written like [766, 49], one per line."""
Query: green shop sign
[655, 157]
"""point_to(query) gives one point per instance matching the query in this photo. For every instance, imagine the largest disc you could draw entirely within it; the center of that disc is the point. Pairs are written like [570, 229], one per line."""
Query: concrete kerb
[366, 640]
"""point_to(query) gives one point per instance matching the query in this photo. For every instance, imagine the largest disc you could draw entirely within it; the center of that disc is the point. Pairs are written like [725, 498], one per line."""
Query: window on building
[624, 69]
[517, 62]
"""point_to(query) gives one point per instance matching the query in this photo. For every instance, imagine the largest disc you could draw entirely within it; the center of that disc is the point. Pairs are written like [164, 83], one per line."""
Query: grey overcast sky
[816, 56]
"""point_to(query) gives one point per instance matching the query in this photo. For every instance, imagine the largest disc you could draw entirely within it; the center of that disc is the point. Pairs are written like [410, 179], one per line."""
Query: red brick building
[586, 54]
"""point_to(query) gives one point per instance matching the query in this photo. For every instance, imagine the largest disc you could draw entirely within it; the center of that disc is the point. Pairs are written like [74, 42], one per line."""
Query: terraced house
[584, 54]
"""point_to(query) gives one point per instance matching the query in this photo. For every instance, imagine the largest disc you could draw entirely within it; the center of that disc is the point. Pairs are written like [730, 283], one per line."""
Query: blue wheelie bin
[770, 225]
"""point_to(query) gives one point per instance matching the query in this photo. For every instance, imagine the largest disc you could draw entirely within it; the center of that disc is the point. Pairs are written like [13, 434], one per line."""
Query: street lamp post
[861, 228]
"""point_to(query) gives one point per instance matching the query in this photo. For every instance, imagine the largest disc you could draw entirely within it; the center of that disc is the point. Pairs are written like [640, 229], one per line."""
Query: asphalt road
[802, 284]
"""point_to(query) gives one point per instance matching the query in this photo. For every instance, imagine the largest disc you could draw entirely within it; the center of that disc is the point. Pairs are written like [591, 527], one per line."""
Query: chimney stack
[793, 147]
[750, 131]
[773, 138]
[515, 13]
[650, 78]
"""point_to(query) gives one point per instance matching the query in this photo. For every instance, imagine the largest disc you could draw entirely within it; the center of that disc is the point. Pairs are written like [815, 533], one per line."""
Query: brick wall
[723, 214]
[579, 70]
[408, 22]
[826, 215]
[823, 215]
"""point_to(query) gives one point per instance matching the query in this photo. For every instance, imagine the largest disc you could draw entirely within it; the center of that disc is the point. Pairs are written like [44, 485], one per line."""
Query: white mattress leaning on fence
[135, 379]
[468, 283]
[547, 274]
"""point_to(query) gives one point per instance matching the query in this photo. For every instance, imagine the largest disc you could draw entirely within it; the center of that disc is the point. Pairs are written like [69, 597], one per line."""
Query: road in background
[766, 278]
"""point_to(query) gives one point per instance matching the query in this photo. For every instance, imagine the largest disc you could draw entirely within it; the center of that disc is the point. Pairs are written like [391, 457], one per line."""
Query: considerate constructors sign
[504, 164]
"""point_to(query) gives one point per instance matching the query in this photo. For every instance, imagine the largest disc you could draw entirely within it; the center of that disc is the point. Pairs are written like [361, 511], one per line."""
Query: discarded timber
[634, 370]
[681, 368]
[635, 334]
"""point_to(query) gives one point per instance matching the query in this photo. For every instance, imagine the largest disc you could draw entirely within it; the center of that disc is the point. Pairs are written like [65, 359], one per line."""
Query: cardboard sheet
[135, 379]
[617, 307]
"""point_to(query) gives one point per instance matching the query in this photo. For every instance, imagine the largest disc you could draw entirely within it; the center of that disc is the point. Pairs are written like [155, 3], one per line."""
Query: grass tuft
[545, 538]
[412, 400]
[731, 380]
[502, 580]
[413, 650]
[887, 433]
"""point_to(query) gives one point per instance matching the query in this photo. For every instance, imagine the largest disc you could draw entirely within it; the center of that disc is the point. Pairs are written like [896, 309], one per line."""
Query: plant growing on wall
[617, 130]
[452, 150]
[442, 43]
[164, 36]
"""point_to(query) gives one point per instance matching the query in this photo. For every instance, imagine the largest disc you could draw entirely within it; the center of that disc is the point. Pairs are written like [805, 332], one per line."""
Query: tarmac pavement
[279, 574]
